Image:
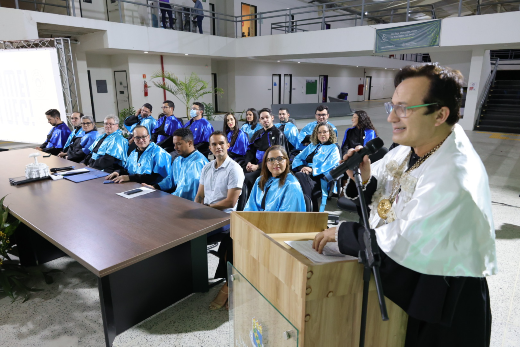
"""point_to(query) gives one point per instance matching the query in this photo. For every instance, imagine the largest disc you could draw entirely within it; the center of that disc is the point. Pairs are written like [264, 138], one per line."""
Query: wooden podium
[322, 301]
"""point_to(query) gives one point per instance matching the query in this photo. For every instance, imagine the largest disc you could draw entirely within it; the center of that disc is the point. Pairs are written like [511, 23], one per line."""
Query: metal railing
[485, 92]
[315, 16]
[505, 54]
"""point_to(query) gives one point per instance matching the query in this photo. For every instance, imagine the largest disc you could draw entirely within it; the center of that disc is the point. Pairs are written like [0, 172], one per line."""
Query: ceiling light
[385, 68]
[185, 53]
[298, 62]
[366, 13]
[145, 52]
[278, 61]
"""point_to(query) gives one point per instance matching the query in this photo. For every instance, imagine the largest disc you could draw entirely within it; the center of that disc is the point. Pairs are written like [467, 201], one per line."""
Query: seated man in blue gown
[148, 163]
[322, 116]
[109, 151]
[142, 117]
[185, 169]
[77, 132]
[57, 137]
[200, 127]
[162, 133]
[80, 144]
[290, 132]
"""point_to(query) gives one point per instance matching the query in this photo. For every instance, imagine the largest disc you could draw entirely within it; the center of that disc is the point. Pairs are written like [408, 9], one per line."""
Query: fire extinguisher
[145, 88]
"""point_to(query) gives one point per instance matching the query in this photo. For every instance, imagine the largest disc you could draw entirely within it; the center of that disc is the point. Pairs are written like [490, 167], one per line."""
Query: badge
[256, 334]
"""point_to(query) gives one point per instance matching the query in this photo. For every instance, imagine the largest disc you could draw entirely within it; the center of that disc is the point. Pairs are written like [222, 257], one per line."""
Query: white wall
[100, 67]
[456, 60]
[382, 83]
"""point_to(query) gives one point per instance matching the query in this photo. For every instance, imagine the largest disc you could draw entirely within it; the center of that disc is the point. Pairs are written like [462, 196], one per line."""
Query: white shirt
[217, 182]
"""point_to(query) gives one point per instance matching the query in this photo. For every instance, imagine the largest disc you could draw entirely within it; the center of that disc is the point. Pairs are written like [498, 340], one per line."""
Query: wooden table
[147, 252]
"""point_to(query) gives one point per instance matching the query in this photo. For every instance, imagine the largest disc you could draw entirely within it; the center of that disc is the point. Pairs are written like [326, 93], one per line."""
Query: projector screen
[30, 84]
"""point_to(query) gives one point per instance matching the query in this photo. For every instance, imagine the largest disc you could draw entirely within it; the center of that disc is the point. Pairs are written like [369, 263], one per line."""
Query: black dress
[443, 311]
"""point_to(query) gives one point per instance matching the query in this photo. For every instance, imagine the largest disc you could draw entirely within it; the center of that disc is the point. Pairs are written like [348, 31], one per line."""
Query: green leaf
[6, 286]
[11, 227]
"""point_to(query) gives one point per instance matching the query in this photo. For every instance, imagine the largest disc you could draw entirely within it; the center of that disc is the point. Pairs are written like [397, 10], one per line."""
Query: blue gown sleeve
[87, 140]
[300, 158]
[162, 163]
[293, 200]
[369, 135]
[187, 189]
[241, 143]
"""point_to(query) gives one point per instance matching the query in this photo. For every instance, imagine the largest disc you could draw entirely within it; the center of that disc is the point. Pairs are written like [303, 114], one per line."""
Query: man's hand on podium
[321, 239]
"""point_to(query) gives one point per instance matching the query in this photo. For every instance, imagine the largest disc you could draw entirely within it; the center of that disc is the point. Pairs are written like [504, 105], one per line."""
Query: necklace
[385, 205]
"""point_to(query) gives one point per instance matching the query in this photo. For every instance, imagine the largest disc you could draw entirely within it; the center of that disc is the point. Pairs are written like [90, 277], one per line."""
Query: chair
[243, 198]
[308, 203]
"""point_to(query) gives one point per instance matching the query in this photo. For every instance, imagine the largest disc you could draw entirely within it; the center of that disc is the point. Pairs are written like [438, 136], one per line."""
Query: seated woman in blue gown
[276, 189]
[359, 134]
[251, 126]
[237, 139]
[317, 159]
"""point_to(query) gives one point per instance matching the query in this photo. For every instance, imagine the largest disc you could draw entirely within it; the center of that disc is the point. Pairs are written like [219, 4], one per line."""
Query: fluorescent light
[298, 62]
[185, 53]
[145, 52]
[278, 61]
[366, 13]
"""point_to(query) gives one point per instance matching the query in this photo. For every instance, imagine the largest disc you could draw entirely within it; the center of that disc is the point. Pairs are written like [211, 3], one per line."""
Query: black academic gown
[443, 311]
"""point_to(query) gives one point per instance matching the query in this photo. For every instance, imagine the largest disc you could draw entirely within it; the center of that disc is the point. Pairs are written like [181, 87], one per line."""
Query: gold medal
[383, 208]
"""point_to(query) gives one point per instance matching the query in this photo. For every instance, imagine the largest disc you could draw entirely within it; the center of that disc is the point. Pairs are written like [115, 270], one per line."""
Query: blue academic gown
[369, 135]
[147, 122]
[249, 131]
[87, 140]
[59, 136]
[241, 143]
[171, 124]
[291, 134]
[309, 128]
[185, 175]
[153, 160]
[288, 198]
[201, 130]
[76, 132]
[115, 145]
[326, 158]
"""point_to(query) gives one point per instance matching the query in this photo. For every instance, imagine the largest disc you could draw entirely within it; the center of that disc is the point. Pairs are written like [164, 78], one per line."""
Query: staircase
[501, 110]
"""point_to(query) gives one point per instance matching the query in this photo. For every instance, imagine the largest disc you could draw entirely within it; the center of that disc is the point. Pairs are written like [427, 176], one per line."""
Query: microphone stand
[370, 257]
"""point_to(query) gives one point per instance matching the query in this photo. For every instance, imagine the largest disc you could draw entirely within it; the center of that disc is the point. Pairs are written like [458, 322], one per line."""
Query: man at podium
[430, 206]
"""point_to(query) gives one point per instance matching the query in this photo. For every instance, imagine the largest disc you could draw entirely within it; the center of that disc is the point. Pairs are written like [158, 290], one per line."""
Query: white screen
[30, 84]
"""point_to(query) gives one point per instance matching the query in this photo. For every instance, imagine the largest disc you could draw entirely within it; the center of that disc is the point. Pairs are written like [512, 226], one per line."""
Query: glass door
[248, 24]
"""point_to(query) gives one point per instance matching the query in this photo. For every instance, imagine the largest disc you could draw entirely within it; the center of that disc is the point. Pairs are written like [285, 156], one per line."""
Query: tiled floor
[67, 313]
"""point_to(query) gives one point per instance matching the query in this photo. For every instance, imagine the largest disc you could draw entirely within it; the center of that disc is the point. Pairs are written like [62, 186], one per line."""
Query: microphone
[372, 147]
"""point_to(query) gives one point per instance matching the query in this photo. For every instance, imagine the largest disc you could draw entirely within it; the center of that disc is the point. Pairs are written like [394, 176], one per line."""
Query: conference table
[148, 252]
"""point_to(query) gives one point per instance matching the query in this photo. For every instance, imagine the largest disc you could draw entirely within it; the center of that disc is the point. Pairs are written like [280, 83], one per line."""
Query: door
[287, 89]
[324, 86]
[113, 11]
[368, 87]
[276, 89]
[122, 97]
[248, 25]
[213, 25]
[215, 95]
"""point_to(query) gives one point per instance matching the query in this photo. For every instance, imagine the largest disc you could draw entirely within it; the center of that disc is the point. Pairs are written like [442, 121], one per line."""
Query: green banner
[408, 37]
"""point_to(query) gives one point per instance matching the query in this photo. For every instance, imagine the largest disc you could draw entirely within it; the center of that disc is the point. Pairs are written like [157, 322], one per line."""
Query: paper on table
[305, 248]
[65, 173]
[145, 191]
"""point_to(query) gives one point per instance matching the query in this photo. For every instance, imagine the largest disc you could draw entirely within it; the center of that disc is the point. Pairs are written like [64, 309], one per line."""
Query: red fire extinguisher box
[360, 89]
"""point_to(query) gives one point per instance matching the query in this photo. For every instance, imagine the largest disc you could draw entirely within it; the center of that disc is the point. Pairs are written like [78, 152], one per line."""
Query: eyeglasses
[86, 123]
[110, 124]
[401, 110]
[196, 109]
[140, 138]
[276, 159]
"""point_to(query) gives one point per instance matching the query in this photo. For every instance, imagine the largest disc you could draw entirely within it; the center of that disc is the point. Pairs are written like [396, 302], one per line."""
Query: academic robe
[202, 130]
[438, 243]
[164, 129]
[291, 133]
[79, 148]
[148, 122]
[287, 198]
[154, 160]
[185, 175]
[308, 129]
[250, 131]
[326, 158]
[261, 141]
[56, 139]
[113, 145]
[239, 148]
[77, 132]
[368, 134]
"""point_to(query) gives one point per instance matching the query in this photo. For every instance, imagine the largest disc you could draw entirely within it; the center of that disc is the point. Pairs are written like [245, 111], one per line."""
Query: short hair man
[143, 116]
[200, 128]
[79, 147]
[322, 116]
[57, 137]
[290, 132]
[264, 138]
[221, 180]
[186, 167]
[199, 13]
[162, 133]
[109, 151]
[430, 206]
[77, 132]
[148, 163]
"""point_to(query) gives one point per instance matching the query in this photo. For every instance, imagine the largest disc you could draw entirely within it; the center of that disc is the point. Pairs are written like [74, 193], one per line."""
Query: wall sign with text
[408, 37]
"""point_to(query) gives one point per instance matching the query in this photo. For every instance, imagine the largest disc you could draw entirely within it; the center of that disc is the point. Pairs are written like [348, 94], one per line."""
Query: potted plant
[124, 114]
[189, 90]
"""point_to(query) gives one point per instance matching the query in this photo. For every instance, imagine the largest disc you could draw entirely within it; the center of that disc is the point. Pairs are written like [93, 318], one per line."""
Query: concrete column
[85, 102]
[480, 68]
